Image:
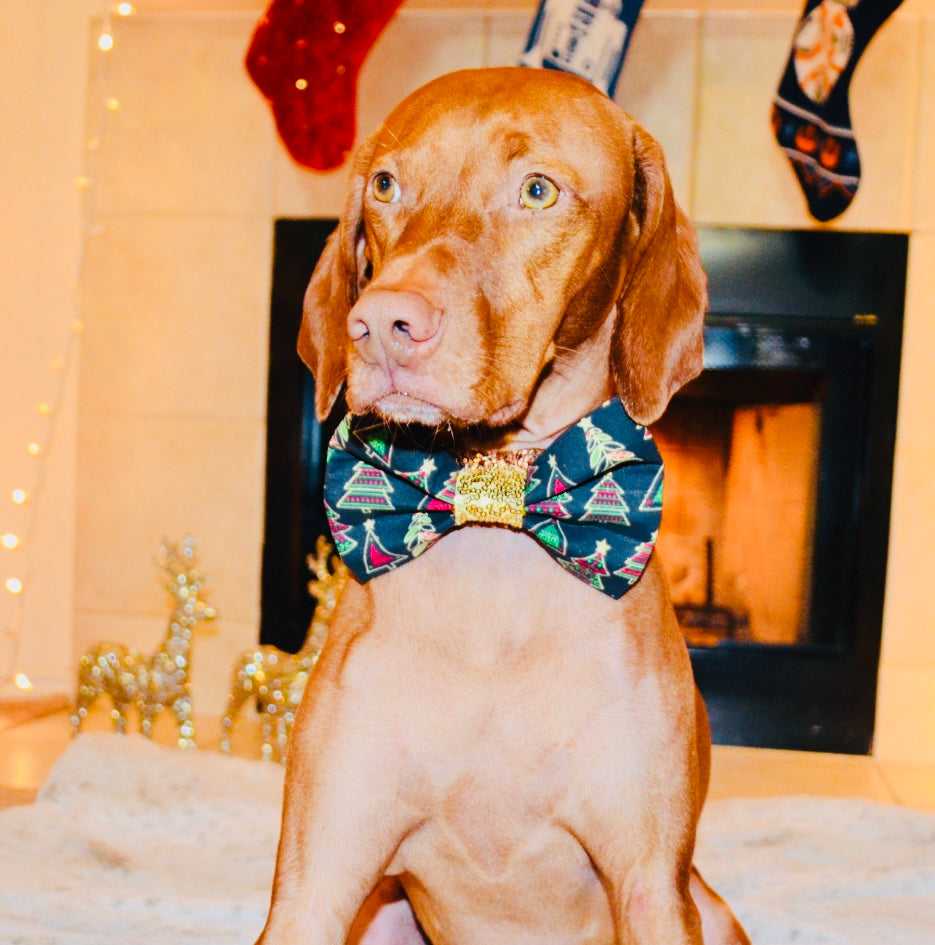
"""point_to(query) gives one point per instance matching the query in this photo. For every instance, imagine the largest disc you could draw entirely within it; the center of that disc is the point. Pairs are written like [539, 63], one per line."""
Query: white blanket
[130, 843]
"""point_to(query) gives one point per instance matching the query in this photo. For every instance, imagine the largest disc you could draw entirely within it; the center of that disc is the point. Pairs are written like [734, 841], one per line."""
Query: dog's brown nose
[394, 327]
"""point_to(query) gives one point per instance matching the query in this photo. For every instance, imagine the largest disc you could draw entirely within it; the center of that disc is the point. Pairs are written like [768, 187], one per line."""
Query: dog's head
[494, 222]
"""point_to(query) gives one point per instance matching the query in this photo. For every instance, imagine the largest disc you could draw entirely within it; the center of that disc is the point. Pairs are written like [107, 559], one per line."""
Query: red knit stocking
[305, 56]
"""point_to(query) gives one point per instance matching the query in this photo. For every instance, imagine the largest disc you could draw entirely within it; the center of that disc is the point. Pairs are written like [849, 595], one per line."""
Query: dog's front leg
[344, 815]
[655, 913]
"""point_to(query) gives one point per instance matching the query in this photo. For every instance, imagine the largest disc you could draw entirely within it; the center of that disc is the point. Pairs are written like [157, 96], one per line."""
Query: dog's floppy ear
[322, 342]
[657, 339]
[332, 290]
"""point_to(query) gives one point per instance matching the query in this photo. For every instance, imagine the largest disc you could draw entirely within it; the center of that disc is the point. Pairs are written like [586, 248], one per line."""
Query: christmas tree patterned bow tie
[593, 499]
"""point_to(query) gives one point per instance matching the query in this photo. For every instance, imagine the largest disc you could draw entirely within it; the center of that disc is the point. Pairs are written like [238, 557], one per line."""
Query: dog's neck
[573, 384]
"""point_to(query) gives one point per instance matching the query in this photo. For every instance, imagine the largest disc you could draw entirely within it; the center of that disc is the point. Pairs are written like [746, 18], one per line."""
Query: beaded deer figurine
[151, 684]
[275, 678]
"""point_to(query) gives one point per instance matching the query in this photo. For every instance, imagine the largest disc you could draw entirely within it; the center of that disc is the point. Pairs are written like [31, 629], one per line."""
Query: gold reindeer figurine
[275, 678]
[160, 681]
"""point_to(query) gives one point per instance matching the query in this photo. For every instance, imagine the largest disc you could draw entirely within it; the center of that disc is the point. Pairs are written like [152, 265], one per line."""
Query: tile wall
[171, 421]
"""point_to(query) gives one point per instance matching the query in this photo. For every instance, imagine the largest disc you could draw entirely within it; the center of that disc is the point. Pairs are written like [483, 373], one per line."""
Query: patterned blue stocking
[811, 113]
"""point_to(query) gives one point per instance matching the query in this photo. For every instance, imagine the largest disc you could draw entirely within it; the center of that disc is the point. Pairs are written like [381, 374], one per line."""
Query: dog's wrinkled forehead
[508, 116]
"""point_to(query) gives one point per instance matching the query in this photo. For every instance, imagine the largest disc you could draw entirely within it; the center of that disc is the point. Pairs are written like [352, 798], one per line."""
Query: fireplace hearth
[778, 477]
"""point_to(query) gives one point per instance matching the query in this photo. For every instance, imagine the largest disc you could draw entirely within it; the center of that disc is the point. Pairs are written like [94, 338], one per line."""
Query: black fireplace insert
[779, 470]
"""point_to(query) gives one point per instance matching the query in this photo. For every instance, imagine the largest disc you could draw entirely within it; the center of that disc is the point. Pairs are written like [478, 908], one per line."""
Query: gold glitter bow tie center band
[490, 489]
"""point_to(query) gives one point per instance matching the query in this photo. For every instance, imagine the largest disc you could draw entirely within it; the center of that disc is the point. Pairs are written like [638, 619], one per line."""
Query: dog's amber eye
[538, 193]
[385, 188]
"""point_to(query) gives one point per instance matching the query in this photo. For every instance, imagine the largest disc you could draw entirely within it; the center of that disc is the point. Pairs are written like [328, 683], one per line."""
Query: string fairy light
[16, 545]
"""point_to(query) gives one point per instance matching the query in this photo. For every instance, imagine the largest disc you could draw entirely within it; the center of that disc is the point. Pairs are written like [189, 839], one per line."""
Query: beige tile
[201, 6]
[144, 480]
[176, 312]
[910, 608]
[657, 87]
[916, 8]
[924, 210]
[46, 526]
[506, 35]
[430, 45]
[916, 382]
[913, 784]
[749, 8]
[751, 772]
[741, 175]
[192, 133]
[302, 192]
[905, 724]
[883, 99]
[909, 612]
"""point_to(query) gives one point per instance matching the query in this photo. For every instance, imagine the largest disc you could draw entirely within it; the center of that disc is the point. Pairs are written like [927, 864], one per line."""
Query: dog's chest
[514, 697]
[490, 650]
[505, 676]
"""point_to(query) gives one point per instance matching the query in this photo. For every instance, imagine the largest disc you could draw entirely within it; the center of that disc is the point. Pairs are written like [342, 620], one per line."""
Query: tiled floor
[28, 751]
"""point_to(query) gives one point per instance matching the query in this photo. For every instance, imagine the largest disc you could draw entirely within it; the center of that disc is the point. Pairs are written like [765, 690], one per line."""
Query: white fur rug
[130, 843]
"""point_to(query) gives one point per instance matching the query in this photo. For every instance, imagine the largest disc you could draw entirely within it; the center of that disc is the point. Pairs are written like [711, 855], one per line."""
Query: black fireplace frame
[820, 696]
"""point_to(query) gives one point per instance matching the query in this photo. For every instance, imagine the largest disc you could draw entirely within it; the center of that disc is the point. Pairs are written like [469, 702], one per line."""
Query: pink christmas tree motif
[557, 494]
[550, 534]
[607, 503]
[376, 557]
[420, 478]
[343, 542]
[420, 534]
[445, 500]
[558, 481]
[652, 501]
[603, 450]
[553, 508]
[591, 568]
[635, 565]
[368, 488]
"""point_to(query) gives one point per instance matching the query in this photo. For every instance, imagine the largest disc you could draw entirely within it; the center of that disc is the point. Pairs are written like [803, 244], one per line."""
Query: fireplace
[779, 467]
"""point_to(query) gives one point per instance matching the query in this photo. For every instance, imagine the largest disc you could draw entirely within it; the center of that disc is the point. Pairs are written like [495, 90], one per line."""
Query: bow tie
[593, 499]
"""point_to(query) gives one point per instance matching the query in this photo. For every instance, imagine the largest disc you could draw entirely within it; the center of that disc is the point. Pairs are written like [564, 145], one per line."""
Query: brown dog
[490, 744]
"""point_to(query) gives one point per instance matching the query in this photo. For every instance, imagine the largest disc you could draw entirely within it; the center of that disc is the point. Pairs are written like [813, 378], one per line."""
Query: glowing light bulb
[19, 496]
[105, 42]
[9, 540]
[14, 585]
[125, 9]
[23, 682]
[112, 104]
[34, 449]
